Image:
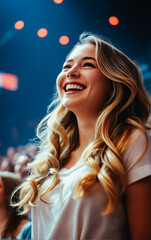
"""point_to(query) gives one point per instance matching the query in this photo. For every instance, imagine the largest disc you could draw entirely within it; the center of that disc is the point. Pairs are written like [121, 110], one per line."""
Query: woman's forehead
[85, 50]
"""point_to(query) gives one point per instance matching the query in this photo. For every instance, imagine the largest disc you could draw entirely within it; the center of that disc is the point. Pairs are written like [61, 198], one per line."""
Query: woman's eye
[88, 64]
[66, 66]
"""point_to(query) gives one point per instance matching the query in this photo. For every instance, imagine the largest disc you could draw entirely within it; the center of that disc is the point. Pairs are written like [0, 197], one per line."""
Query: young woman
[12, 225]
[91, 178]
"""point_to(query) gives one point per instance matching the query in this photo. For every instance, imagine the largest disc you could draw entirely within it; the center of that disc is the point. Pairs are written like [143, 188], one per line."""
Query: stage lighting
[19, 25]
[64, 40]
[8, 81]
[42, 32]
[58, 1]
[113, 20]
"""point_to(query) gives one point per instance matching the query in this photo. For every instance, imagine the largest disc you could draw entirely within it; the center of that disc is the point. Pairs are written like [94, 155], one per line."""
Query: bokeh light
[19, 25]
[42, 32]
[64, 40]
[58, 1]
[8, 81]
[113, 20]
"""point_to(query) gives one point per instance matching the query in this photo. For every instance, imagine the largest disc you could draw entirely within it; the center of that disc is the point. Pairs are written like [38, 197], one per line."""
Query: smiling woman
[81, 72]
[92, 171]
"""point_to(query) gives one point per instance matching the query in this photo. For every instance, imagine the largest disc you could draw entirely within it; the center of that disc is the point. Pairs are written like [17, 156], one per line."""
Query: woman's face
[81, 85]
[2, 192]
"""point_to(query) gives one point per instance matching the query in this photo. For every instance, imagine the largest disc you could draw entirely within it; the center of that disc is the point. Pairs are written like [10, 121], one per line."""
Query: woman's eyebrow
[84, 58]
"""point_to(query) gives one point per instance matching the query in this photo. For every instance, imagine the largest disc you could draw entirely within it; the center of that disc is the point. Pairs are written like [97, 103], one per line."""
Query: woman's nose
[73, 73]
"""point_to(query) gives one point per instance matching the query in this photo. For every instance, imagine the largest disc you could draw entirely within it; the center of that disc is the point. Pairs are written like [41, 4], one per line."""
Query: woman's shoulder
[139, 135]
[137, 156]
[139, 142]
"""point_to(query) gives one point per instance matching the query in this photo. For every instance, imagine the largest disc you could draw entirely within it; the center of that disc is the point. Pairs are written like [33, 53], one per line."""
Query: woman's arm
[138, 203]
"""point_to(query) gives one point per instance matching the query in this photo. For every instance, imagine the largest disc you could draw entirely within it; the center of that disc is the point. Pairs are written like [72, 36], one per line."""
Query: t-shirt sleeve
[136, 167]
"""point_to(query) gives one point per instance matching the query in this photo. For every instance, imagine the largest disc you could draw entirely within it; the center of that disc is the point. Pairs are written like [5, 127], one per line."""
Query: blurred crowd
[16, 159]
[12, 172]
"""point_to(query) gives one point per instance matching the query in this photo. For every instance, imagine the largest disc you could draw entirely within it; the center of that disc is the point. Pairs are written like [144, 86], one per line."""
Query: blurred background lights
[58, 1]
[42, 32]
[113, 20]
[8, 81]
[64, 40]
[19, 25]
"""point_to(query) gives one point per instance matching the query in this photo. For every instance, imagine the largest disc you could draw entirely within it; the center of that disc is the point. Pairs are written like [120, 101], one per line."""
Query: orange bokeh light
[42, 32]
[9, 81]
[64, 40]
[19, 25]
[58, 1]
[113, 20]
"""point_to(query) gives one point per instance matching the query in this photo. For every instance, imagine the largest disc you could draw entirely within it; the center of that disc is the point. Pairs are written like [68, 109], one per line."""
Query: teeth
[74, 86]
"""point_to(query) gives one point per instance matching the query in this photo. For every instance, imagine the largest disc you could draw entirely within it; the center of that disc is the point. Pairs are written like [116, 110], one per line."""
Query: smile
[74, 87]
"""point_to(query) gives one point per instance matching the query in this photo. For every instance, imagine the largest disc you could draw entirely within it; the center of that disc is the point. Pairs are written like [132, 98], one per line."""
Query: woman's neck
[86, 128]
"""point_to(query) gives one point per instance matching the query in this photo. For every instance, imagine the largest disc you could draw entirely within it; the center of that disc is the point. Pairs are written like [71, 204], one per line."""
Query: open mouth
[74, 87]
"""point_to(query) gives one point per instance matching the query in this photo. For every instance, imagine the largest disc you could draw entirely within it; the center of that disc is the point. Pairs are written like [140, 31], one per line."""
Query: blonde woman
[91, 178]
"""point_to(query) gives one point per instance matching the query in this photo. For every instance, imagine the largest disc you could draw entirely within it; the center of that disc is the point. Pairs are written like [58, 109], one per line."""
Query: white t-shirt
[67, 218]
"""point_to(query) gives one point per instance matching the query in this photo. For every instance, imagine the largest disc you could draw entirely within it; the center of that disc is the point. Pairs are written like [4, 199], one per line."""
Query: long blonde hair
[127, 108]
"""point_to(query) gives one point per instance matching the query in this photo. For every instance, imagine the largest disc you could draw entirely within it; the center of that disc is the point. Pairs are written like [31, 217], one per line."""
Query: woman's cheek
[59, 83]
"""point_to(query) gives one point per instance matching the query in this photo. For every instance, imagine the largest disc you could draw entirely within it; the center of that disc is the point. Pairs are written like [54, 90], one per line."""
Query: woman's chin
[71, 105]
